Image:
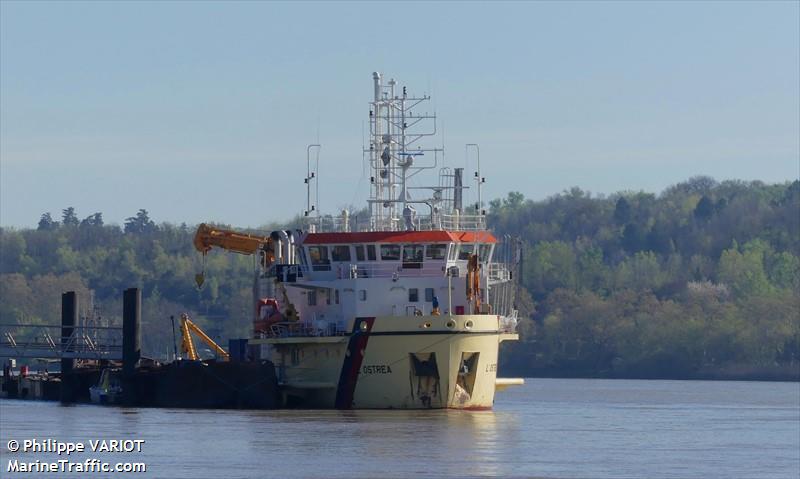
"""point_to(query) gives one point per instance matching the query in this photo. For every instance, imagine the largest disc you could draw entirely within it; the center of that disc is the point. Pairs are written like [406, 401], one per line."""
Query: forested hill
[701, 280]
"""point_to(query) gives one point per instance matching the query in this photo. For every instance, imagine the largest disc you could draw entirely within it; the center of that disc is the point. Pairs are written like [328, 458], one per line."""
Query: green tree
[784, 271]
[140, 224]
[68, 217]
[622, 211]
[641, 272]
[46, 223]
[632, 237]
[92, 221]
[12, 251]
[704, 209]
[744, 271]
[551, 265]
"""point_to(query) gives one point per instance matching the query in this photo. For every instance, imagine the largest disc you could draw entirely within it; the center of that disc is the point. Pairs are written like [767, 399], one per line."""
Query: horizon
[104, 104]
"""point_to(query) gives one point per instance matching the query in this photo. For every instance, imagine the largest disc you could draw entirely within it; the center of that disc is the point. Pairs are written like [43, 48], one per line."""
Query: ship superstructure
[403, 305]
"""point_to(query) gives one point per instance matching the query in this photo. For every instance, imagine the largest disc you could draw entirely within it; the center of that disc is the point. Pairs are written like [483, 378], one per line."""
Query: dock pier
[238, 384]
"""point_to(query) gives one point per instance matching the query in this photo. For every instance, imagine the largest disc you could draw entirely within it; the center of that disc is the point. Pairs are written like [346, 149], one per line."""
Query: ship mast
[396, 154]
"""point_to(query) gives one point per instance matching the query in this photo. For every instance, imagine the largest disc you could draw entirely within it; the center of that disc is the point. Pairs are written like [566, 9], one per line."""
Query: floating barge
[236, 384]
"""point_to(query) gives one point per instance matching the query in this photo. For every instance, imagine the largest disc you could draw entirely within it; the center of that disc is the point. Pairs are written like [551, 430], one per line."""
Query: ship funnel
[376, 77]
[458, 189]
[345, 221]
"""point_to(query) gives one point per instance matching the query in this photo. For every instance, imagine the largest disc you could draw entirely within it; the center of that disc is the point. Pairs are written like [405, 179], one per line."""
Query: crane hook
[200, 278]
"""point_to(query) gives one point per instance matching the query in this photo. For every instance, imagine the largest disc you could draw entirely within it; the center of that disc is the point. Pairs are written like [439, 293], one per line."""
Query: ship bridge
[394, 254]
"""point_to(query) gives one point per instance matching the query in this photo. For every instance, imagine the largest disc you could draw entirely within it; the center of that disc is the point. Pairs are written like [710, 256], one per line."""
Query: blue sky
[202, 111]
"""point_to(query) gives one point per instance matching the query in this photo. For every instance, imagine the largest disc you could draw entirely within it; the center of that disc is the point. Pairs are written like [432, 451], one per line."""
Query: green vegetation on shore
[702, 280]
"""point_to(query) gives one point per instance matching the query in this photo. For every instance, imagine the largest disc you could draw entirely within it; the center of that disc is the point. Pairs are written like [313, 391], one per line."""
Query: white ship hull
[394, 362]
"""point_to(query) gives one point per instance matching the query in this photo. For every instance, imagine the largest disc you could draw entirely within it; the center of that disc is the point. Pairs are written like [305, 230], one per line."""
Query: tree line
[701, 280]
[100, 260]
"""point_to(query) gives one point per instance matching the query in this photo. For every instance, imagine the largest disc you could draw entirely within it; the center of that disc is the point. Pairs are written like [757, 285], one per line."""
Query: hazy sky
[202, 111]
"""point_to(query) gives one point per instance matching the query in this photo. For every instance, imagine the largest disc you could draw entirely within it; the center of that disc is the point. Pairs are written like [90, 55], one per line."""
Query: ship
[402, 305]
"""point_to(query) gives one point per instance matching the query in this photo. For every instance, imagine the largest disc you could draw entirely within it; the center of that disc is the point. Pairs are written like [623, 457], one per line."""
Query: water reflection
[406, 442]
[549, 428]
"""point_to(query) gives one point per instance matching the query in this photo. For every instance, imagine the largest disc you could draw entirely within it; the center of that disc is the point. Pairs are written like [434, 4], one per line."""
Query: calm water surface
[549, 428]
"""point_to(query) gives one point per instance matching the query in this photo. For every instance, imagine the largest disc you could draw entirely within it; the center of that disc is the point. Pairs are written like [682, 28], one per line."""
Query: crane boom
[187, 344]
[208, 237]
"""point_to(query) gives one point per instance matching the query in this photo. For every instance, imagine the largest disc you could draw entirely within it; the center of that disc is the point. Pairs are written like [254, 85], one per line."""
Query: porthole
[451, 324]
[468, 324]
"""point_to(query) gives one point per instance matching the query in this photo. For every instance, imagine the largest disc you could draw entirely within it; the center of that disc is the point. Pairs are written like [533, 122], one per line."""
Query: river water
[549, 428]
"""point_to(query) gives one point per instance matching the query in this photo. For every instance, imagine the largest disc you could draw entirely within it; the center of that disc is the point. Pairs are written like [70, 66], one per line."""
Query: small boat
[107, 390]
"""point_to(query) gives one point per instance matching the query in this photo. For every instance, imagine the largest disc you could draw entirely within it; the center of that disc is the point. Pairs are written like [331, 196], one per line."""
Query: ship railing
[499, 272]
[434, 222]
[508, 323]
[305, 329]
[48, 341]
[377, 270]
[460, 222]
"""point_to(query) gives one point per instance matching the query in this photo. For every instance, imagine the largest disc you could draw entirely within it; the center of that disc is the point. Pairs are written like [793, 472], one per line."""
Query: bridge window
[484, 251]
[464, 251]
[340, 253]
[435, 251]
[412, 256]
[390, 252]
[370, 252]
[319, 258]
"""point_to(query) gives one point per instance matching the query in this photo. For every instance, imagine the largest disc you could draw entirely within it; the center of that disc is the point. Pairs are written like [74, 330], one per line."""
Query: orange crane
[187, 344]
[208, 237]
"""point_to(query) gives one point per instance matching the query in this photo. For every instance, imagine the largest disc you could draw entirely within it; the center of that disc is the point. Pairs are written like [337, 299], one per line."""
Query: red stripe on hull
[352, 363]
